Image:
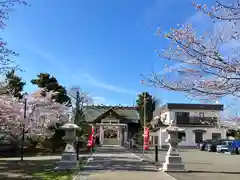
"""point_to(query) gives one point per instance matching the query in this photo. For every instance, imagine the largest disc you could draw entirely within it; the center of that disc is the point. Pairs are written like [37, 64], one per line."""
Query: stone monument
[173, 161]
[68, 159]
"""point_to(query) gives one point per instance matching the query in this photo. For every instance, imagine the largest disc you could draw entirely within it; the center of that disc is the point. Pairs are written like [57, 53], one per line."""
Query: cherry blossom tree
[6, 62]
[230, 116]
[41, 113]
[202, 68]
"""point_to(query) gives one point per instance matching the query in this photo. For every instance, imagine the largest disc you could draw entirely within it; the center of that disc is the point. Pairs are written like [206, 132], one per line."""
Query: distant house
[200, 121]
[113, 124]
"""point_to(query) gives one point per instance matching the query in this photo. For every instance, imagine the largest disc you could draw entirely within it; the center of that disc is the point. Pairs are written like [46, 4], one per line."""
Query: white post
[160, 138]
[101, 133]
[153, 139]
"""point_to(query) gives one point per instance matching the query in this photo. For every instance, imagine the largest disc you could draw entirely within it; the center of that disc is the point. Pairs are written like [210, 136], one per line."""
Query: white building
[200, 121]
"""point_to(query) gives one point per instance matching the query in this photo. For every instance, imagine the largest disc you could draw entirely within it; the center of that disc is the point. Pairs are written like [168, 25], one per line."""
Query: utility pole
[76, 120]
[144, 117]
[77, 106]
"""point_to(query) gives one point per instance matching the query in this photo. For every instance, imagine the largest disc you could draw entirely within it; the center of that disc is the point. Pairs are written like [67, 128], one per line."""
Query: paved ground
[115, 163]
[201, 165]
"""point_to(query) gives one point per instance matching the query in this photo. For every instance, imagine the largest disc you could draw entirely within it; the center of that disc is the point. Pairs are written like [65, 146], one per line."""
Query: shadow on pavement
[117, 159]
[150, 157]
[221, 172]
[118, 163]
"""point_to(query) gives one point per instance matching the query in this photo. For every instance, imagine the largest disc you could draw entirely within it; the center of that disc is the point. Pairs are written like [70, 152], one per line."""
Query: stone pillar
[125, 134]
[120, 136]
[101, 134]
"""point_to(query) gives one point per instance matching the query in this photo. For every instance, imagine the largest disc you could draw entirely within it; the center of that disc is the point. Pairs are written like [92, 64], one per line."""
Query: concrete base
[173, 163]
[109, 145]
[67, 165]
[68, 161]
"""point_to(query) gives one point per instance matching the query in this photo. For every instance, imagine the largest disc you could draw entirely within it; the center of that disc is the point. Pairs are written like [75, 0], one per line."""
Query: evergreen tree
[14, 84]
[150, 105]
[50, 83]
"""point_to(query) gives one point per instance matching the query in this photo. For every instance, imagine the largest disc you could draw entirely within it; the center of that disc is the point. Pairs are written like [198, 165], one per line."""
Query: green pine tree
[50, 83]
[151, 104]
[14, 84]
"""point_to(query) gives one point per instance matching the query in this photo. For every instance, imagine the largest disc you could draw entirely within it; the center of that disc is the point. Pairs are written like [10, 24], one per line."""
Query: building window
[182, 136]
[182, 117]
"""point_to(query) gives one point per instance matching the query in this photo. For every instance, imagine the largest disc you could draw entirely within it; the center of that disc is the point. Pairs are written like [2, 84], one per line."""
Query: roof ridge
[113, 107]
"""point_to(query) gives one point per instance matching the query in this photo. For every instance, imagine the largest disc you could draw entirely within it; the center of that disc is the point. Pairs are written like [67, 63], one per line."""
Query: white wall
[190, 135]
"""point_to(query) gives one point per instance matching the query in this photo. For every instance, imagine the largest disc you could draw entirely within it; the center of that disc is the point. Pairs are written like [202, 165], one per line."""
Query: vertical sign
[146, 138]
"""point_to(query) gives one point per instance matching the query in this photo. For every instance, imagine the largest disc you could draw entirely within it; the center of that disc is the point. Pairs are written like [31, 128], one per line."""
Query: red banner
[90, 138]
[146, 138]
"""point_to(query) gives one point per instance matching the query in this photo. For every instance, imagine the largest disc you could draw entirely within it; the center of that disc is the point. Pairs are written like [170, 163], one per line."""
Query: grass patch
[35, 170]
[55, 175]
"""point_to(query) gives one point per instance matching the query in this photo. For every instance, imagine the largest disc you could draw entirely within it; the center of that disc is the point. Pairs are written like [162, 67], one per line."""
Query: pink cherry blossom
[201, 68]
[41, 113]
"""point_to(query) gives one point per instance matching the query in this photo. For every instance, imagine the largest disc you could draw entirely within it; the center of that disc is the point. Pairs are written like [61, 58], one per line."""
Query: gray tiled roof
[93, 112]
[170, 106]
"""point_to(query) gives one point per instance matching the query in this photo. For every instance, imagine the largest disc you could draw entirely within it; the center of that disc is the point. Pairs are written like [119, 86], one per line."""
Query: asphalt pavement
[118, 163]
[199, 164]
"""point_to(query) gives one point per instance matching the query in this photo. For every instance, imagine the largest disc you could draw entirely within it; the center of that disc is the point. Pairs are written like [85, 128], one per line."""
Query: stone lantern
[173, 161]
[69, 159]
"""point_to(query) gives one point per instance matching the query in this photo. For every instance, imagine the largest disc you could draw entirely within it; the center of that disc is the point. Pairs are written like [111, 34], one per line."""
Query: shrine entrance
[112, 134]
[112, 129]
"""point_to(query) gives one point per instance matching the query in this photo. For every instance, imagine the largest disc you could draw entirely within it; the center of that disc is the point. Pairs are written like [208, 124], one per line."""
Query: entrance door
[198, 136]
[216, 136]
[111, 137]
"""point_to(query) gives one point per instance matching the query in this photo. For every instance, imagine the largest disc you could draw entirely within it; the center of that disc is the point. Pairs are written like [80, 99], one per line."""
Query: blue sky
[100, 46]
